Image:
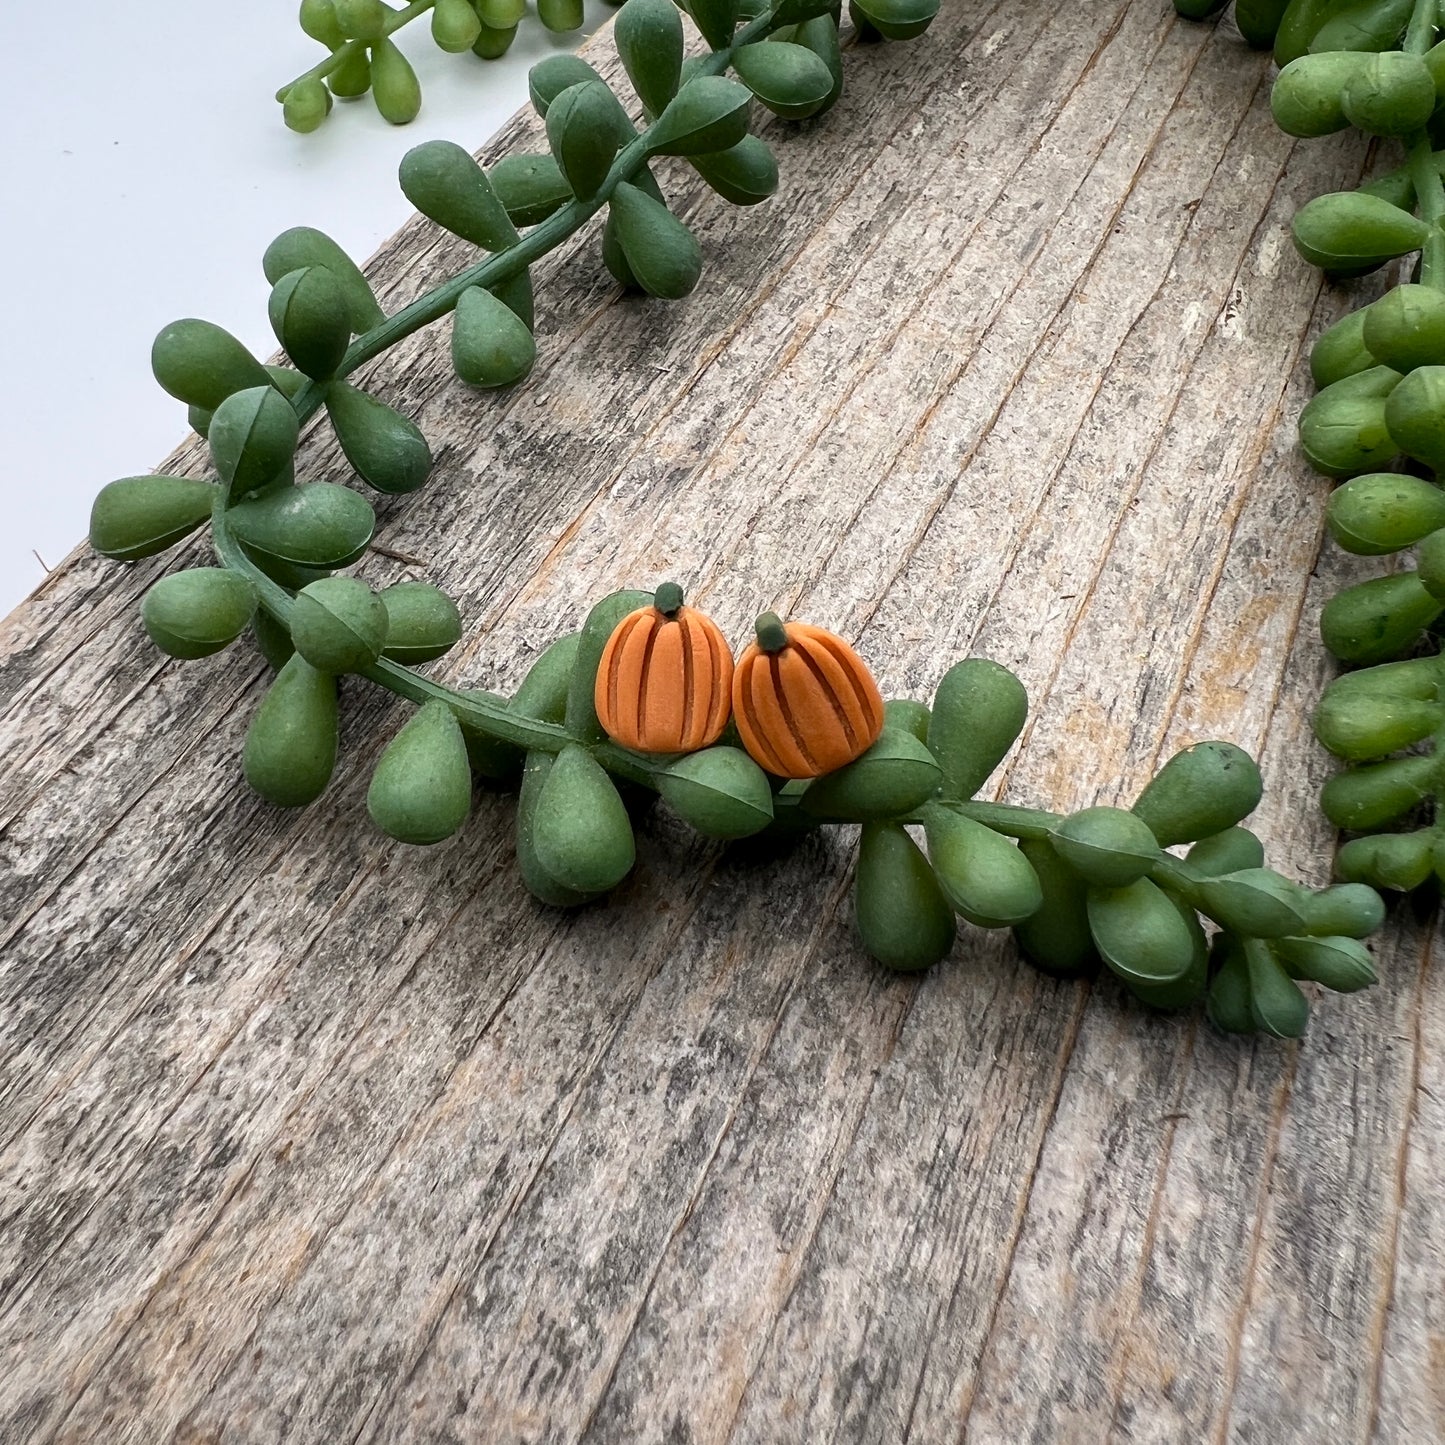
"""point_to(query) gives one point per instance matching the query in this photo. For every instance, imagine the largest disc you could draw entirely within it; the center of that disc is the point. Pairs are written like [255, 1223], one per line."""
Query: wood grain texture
[307, 1136]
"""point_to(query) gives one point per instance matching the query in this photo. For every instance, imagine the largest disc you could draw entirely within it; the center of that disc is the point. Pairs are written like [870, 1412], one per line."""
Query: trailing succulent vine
[1377, 420]
[791, 735]
[362, 57]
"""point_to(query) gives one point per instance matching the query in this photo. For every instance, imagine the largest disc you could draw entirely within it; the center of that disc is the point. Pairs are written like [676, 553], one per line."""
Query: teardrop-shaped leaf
[584, 135]
[1228, 1003]
[707, 114]
[1387, 860]
[530, 187]
[1056, 937]
[1340, 963]
[908, 715]
[252, 438]
[789, 79]
[287, 380]
[422, 622]
[549, 682]
[614, 258]
[197, 612]
[1378, 619]
[454, 26]
[1415, 415]
[490, 345]
[1190, 986]
[662, 253]
[560, 16]
[290, 750]
[1105, 846]
[893, 777]
[309, 315]
[1257, 902]
[1366, 798]
[541, 883]
[305, 105]
[743, 174]
[492, 44]
[1228, 852]
[1349, 231]
[820, 35]
[388, 450]
[504, 15]
[978, 712]
[339, 624]
[1278, 1006]
[602, 619]
[550, 77]
[903, 918]
[202, 364]
[318, 20]
[421, 791]
[983, 874]
[361, 19]
[1140, 932]
[315, 525]
[394, 86]
[273, 639]
[720, 791]
[304, 246]
[648, 34]
[140, 516]
[1200, 791]
[445, 183]
[1340, 351]
[717, 19]
[352, 76]
[898, 19]
[1352, 910]
[580, 830]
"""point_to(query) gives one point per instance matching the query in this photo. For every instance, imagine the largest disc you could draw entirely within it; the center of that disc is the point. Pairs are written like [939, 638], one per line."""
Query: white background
[144, 172]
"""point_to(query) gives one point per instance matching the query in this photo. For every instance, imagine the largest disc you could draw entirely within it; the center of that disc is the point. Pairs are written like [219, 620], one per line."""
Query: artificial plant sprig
[705, 120]
[1377, 422]
[362, 57]
[793, 735]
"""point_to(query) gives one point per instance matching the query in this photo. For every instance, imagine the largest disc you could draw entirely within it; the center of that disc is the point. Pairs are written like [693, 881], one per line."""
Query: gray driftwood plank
[305, 1136]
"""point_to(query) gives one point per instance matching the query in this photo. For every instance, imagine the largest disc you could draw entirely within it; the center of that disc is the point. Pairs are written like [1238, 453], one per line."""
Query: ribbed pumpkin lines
[663, 683]
[803, 700]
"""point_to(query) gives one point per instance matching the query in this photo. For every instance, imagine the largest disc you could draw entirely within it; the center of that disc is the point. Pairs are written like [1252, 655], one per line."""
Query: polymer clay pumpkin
[803, 700]
[664, 678]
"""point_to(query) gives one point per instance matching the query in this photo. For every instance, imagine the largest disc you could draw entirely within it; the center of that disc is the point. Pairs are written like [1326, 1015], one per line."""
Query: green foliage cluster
[1377, 420]
[363, 58]
[1095, 890]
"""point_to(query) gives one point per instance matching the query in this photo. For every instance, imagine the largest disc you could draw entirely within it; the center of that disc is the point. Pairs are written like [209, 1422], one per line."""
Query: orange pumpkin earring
[803, 700]
[664, 679]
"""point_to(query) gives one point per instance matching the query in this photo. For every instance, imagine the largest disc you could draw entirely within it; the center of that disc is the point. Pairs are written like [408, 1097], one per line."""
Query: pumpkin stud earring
[663, 684]
[804, 702]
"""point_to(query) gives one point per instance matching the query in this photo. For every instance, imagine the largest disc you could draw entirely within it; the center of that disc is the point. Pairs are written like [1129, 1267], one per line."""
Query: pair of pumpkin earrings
[803, 701]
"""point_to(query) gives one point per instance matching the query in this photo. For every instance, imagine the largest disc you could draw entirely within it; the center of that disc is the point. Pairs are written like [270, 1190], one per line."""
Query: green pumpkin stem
[772, 636]
[668, 599]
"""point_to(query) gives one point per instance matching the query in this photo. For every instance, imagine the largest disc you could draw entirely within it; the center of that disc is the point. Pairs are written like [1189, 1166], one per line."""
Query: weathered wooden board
[306, 1136]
